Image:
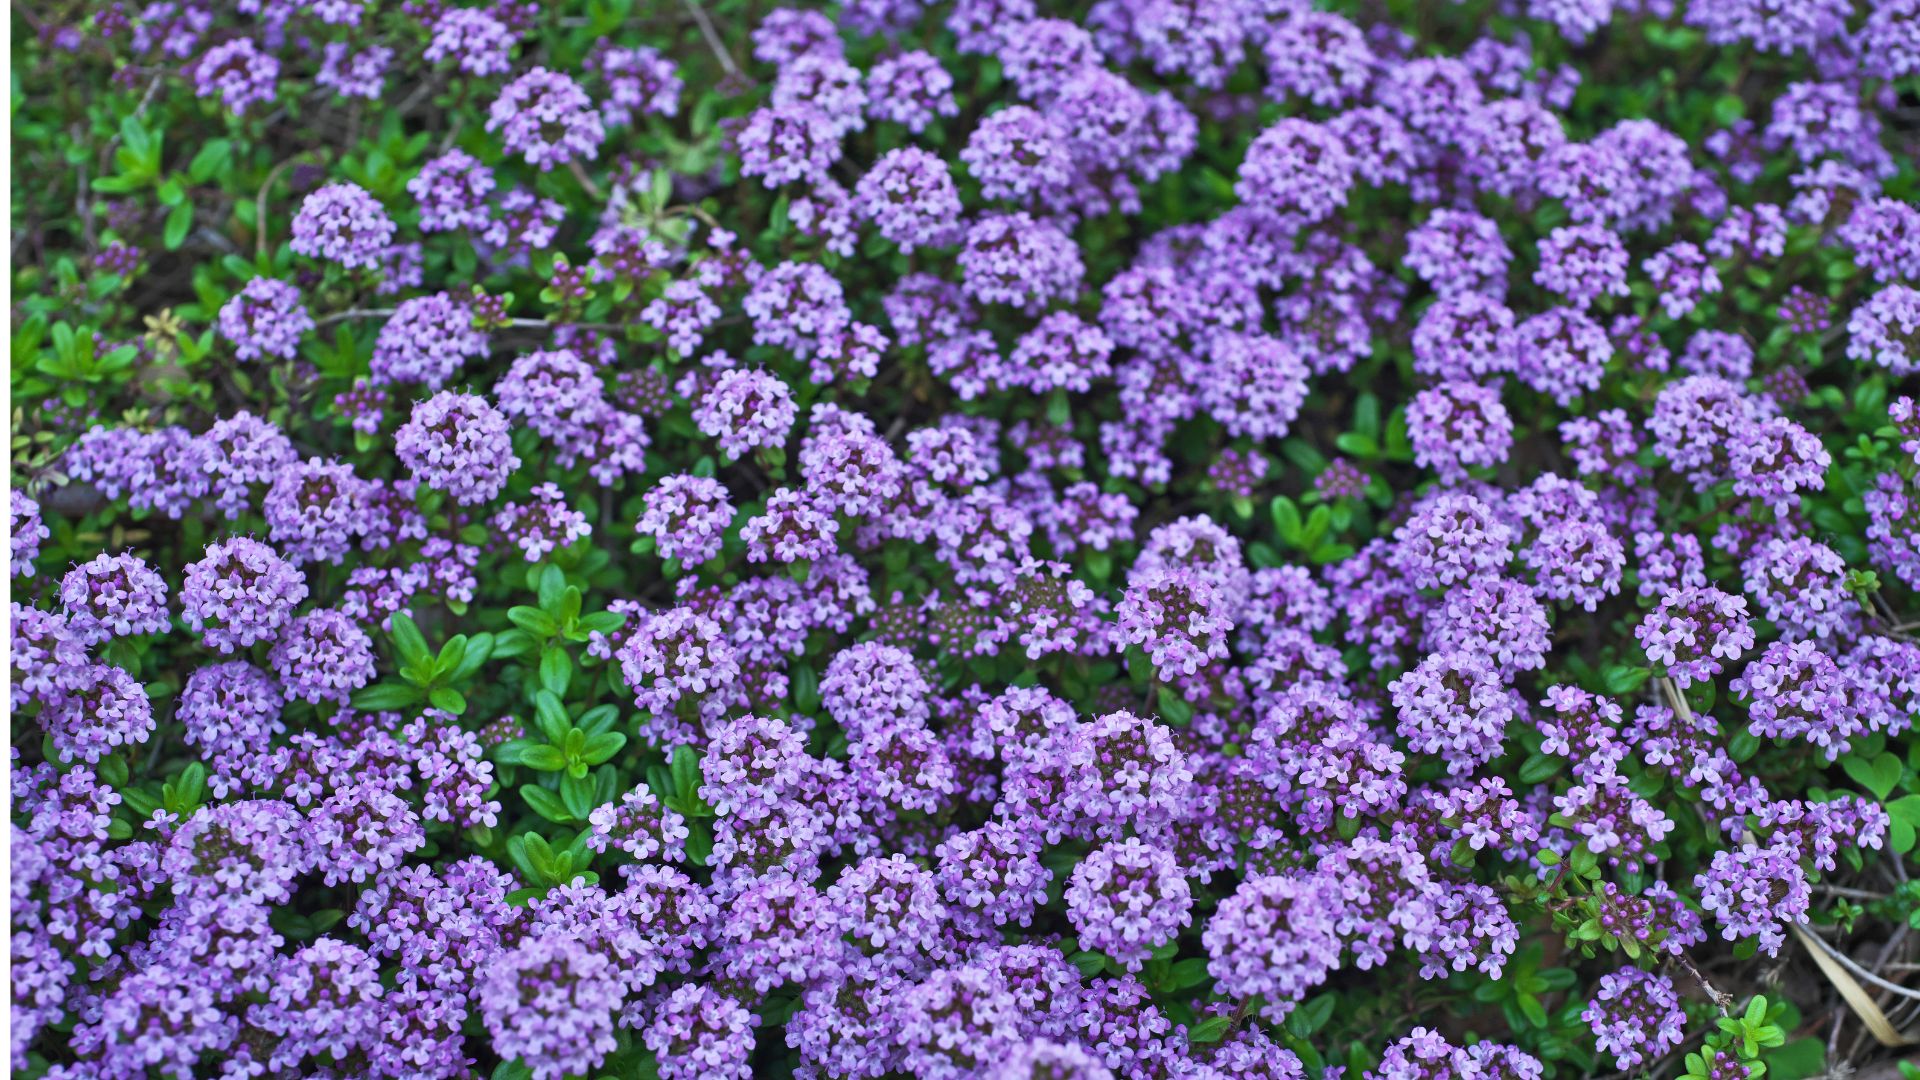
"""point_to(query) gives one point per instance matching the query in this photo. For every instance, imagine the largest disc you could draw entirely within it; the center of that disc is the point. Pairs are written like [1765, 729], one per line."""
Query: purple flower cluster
[767, 557]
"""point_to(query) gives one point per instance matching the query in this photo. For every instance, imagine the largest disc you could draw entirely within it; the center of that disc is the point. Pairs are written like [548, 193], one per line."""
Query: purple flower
[1014, 259]
[1018, 154]
[100, 710]
[1455, 707]
[1756, 891]
[354, 74]
[795, 306]
[343, 223]
[1296, 169]
[25, 530]
[1177, 616]
[239, 73]
[1465, 336]
[1126, 899]
[1319, 56]
[452, 189]
[323, 656]
[1635, 1016]
[683, 312]
[265, 318]
[687, 517]
[1253, 384]
[910, 89]
[640, 826]
[241, 592]
[1274, 939]
[909, 197]
[1693, 630]
[1886, 330]
[826, 83]
[1800, 585]
[1456, 251]
[1582, 263]
[786, 34]
[426, 341]
[479, 44]
[695, 1032]
[793, 528]
[1682, 276]
[113, 596]
[551, 1002]
[231, 712]
[992, 876]
[458, 444]
[789, 145]
[746, 410]
[1505, 141]
[1562, 353]
[640, 80]
[545, 118]
[1457, 426]
[1796, 690]
[679, 657]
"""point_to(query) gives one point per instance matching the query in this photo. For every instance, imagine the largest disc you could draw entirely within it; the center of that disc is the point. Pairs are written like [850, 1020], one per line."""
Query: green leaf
[1311, 1016]
[551, 716]
[1210, 1030]
[556, 670]
[1905, 812]
[179, 222]
[1185, 975]
[210, 161]
[699, 842]
[192, 787]
[1878, 775]
[546, 803]
[686, 770]
[1621, 680]
[1286, 520]
[447, 699]
[451, 655]
[511, 1070]
[1358, 445]
[533, 620]
[1174, 707]
[1089, 963]
[543, 758]
[1798, 1060]
[577, 793]
[602, 746]
[1366, 415]
[386, 697]
[550, 585]
[479, 649]
[408, 643]
[1537, 768]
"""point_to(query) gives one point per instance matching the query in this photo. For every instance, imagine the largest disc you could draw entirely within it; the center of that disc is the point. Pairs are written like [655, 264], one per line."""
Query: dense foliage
[1150, 538]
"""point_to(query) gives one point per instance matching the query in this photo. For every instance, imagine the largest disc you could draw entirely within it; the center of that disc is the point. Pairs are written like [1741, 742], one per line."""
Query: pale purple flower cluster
[459, 444]
[265, 319]
[345, 224]
[1040, 669]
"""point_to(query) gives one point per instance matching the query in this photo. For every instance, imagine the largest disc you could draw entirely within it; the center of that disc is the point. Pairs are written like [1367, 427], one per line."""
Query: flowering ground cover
[1143, 538]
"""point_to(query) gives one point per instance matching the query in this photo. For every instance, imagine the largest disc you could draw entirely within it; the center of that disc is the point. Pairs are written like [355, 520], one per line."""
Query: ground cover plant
[1152, 538]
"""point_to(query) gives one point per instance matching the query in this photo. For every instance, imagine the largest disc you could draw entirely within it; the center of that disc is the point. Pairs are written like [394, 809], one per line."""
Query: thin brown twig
[580, 174]
[1721, 1000]
[713, 37]
[260, 209]
[356, 313]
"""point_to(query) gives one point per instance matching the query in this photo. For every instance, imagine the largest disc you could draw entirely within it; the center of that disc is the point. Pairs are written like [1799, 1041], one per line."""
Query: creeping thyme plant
[964, 538]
